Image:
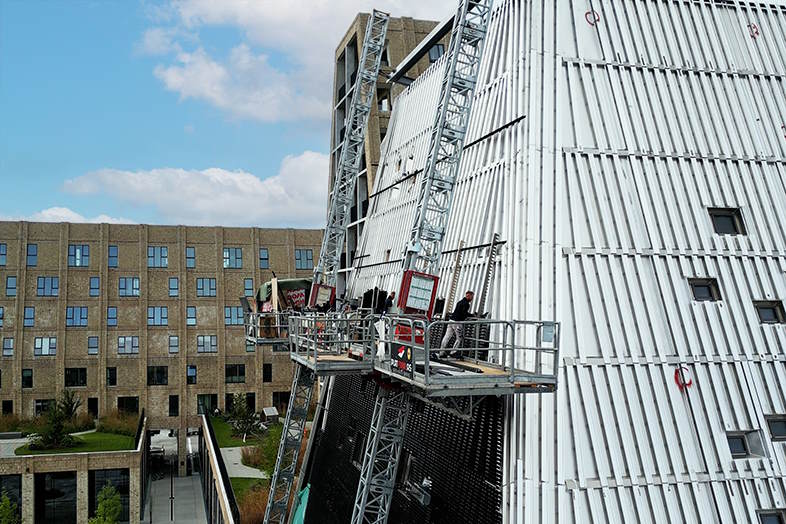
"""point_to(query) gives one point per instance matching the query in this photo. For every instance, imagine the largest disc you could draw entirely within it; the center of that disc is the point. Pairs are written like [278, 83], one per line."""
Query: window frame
[81, 377]
[304, 256]
[267, 373]
[32, 256]
[10, 291]
[248, 287]
[51, 347]
[113, 255]
[47, 286]
[111, 376]
[770, 419]
[191, 379]
[176, 344]
[191, 320]
[157, 257]
[78, 255]
[95, 291]
[3, 254]
[735, 213]
[190, 258]
[233, 375]
[8, 346]
[123, 342]
[174, 291]
[72, 318]
[207, 343]
[27, 374]
[91, 346]
[233, 316]
[176, 411]
[264, 261]
[206, 287]
[128, 287]
[776, 305]
[233, 257]
[157, 378]
[28, 321]
[157, 316]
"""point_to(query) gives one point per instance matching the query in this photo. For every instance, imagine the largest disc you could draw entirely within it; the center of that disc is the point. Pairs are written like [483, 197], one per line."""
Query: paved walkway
[189, 503]
[235, 468]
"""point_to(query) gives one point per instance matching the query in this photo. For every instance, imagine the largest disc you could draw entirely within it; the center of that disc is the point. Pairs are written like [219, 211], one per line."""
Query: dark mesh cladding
[462, 458]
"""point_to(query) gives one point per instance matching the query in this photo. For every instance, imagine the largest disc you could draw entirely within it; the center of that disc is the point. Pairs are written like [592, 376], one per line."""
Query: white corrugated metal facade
[595, 150]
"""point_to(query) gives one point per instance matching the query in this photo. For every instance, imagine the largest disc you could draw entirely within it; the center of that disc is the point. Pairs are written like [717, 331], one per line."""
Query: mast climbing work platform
[401, 352]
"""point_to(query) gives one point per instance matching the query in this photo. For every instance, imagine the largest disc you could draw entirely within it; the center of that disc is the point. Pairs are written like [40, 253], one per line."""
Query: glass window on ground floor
[207, 403]
[99, 478]
[11, 485]
[55, 497]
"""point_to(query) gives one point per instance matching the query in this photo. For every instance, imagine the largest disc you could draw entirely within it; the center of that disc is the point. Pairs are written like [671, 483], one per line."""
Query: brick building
[138, 316]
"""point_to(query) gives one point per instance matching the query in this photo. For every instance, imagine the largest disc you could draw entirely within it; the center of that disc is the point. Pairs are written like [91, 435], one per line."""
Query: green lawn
[269, 447]
[223, 432]
[95, 441]
[240, 485]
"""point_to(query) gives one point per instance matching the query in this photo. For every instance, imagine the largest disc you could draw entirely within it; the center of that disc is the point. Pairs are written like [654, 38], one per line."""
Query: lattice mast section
[388, 424]
[352, 149]
[435, 195]
[289, 446]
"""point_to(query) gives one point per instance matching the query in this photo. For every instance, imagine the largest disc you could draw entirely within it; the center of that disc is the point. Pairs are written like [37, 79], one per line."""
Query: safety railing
[266, 327]
[452, 358]
[333, 341]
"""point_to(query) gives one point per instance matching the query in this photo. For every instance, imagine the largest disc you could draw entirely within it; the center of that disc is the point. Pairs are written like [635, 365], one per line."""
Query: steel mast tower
[329, 258]
[389, 421]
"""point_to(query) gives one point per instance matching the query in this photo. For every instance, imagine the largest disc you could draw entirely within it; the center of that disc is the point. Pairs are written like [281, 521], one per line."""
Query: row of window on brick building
[158, 257]
[127, 286]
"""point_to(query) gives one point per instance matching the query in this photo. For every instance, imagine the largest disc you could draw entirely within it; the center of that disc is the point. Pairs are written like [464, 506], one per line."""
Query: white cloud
[246, 86]
[160, 41]
[296, 196]
[304, 32]
[64, 214]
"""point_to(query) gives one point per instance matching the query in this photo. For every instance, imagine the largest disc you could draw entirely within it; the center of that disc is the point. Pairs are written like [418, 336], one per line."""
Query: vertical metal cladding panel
[601, 133]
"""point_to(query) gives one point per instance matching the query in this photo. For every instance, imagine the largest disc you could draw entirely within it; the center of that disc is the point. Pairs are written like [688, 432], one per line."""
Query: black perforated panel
[462, 458]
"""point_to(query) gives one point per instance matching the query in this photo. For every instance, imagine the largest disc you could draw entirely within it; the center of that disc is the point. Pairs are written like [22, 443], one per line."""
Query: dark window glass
[75, 377]
[12, 485]
[248, 287]
[174, 405]
[3, 254]
[27, 378]
[55, 497]
[112, 259]
[32, 255]
[770, 311]
[8, 407]
[207, 403]
[119, 479]
[191, 316]
[128, 404]
[251, 402]
[157, 375]
[2, 315]
[727, 220]
[436, 51]
[777, 427]
[173, 287]
[267, 372]
[771, 517]
[264, 258]
[191, 374]
[235, 373]
[111, 376]
[738, 446]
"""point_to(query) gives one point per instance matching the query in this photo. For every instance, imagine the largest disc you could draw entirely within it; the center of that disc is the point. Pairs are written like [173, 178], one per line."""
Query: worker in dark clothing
[460, 313]
[389, 302]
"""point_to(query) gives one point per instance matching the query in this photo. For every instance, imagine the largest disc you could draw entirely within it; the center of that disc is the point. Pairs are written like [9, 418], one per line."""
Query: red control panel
[418, 293]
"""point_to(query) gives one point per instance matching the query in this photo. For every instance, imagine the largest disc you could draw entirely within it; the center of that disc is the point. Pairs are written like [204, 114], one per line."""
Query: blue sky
[189, 111]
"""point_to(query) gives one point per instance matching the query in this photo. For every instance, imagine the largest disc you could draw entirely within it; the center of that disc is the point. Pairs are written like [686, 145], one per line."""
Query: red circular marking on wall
[680, 375]
[592, 17]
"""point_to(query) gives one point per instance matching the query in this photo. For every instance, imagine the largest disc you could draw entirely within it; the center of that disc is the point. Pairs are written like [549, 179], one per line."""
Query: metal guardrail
[262, 327]
[220, 504]
[491, 353]
[333, 341]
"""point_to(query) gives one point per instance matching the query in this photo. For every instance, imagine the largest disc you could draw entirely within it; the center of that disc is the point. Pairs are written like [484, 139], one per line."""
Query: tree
[109, 507]
[69, 403]
[53, 433]
[9, 511]
[242, 419]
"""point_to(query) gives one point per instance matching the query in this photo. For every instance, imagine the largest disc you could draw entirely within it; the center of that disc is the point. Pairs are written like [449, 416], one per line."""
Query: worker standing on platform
[460, 313]
[389, 302]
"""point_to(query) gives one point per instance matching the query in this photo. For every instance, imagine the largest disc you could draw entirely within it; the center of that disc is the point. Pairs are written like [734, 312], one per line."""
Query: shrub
[9, 423]
[252, 506]
[69, 403]
[252, 456]
[109, 506]
[81, 422]
[9, 511]
[119, 424]
[53, 433]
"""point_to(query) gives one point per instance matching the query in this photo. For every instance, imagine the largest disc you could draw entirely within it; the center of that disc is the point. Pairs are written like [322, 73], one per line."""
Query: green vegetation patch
[241, 485]
[223, 431]
[96, 441]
